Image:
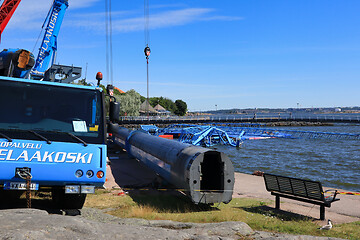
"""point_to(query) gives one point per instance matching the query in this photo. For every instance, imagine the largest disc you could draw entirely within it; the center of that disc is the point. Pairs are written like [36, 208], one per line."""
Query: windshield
[50, 110]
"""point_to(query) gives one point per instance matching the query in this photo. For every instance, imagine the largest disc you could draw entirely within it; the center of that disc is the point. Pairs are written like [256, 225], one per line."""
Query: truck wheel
[67, 201]
[10, 197]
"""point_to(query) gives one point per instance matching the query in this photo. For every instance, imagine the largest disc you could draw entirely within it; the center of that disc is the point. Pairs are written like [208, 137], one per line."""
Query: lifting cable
[109, 49]
[146, 21]
[42, 28]
[147, 50]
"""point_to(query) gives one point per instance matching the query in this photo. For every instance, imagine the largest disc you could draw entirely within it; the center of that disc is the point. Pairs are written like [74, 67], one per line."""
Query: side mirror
[114, 111]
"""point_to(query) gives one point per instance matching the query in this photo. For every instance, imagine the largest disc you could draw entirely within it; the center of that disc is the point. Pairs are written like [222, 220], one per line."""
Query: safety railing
[246, 118]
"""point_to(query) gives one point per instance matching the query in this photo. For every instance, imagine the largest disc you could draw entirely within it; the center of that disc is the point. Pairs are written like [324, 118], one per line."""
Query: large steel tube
[205, 175]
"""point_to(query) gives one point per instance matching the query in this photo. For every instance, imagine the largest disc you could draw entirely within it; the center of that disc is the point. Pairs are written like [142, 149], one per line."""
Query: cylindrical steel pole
[205, 175]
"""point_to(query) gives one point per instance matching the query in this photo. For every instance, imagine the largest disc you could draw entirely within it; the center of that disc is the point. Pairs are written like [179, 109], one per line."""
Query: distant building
[121, 91]
[337, 109]
[161, 110]
[146, 108]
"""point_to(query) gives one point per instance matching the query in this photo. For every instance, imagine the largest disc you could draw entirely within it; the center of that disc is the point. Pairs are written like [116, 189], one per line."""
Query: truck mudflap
[55, 164]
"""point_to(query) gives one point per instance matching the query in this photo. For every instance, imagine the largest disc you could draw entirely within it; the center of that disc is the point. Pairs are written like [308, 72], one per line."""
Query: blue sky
[231, 53]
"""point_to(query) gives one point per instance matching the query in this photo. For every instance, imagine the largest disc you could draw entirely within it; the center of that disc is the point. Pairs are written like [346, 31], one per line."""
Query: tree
[129, 103]
[82, 82]
[153, 101]
[181, 107]
[166, 103]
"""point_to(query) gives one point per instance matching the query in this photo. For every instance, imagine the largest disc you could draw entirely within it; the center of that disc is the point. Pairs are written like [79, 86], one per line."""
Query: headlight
[79, 173]
[89, 174]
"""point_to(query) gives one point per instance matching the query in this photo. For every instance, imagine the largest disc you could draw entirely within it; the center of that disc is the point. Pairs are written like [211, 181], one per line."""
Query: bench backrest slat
[295, 186]
[314, 190]
[299, 187]
[284, 184]
[271, 183]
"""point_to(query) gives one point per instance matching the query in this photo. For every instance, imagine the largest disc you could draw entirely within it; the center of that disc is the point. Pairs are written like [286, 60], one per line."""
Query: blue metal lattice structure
[234, 135]
[208, 136]
[151, 129]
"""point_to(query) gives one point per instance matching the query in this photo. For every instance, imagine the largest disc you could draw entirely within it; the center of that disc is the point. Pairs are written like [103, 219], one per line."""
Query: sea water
[335, 163]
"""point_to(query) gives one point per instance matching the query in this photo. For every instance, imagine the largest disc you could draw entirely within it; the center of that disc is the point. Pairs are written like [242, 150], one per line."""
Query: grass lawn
[161, 206]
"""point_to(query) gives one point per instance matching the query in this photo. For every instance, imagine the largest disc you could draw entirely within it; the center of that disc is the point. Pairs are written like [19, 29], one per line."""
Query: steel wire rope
[109, 48]
[107, 40]
[42, 28]
[111, 45]
[146, 21]
[37, 40]
[147, 42]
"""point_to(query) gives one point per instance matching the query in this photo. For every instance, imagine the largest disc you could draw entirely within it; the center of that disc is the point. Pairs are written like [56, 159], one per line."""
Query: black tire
[9, 198]
[67, 201]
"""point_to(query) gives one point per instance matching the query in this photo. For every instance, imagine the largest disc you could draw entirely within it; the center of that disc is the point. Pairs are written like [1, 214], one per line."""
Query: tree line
[179, 107]
[131, 101]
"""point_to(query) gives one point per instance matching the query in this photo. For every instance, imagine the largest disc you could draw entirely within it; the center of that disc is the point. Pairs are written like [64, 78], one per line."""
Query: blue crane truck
[52, 132]
[55, 133]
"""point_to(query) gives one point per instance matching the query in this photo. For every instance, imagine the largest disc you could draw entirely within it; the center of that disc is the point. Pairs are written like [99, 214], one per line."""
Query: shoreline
[269, 124]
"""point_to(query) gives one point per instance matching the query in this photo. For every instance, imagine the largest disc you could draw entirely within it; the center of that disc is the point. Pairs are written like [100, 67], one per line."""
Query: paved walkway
[345, 210]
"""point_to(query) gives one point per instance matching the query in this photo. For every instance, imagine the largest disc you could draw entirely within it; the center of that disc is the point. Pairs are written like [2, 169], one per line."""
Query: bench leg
[322, 212]
[277, 202]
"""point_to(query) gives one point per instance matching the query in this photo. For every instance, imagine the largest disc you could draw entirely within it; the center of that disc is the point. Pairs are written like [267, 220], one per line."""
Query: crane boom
[48, 47]
[7, 10]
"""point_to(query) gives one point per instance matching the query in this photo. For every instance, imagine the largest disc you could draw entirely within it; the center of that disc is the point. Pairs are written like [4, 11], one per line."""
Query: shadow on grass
[168, 201]
[146, 188]
[277, 213]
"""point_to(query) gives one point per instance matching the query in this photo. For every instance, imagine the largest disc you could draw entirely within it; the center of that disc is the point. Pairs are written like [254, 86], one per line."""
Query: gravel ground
[94, 224]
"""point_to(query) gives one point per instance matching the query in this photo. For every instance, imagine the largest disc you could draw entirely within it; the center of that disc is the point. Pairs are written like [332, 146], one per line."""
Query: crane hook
[147, 51]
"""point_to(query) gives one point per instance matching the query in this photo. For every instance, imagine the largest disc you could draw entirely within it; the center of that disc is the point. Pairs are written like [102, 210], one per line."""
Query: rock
[171, 224]
[230, 230]
[95, 224]
[258, 173]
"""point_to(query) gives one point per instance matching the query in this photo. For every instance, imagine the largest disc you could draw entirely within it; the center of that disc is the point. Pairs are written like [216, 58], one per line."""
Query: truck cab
[56, 133]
